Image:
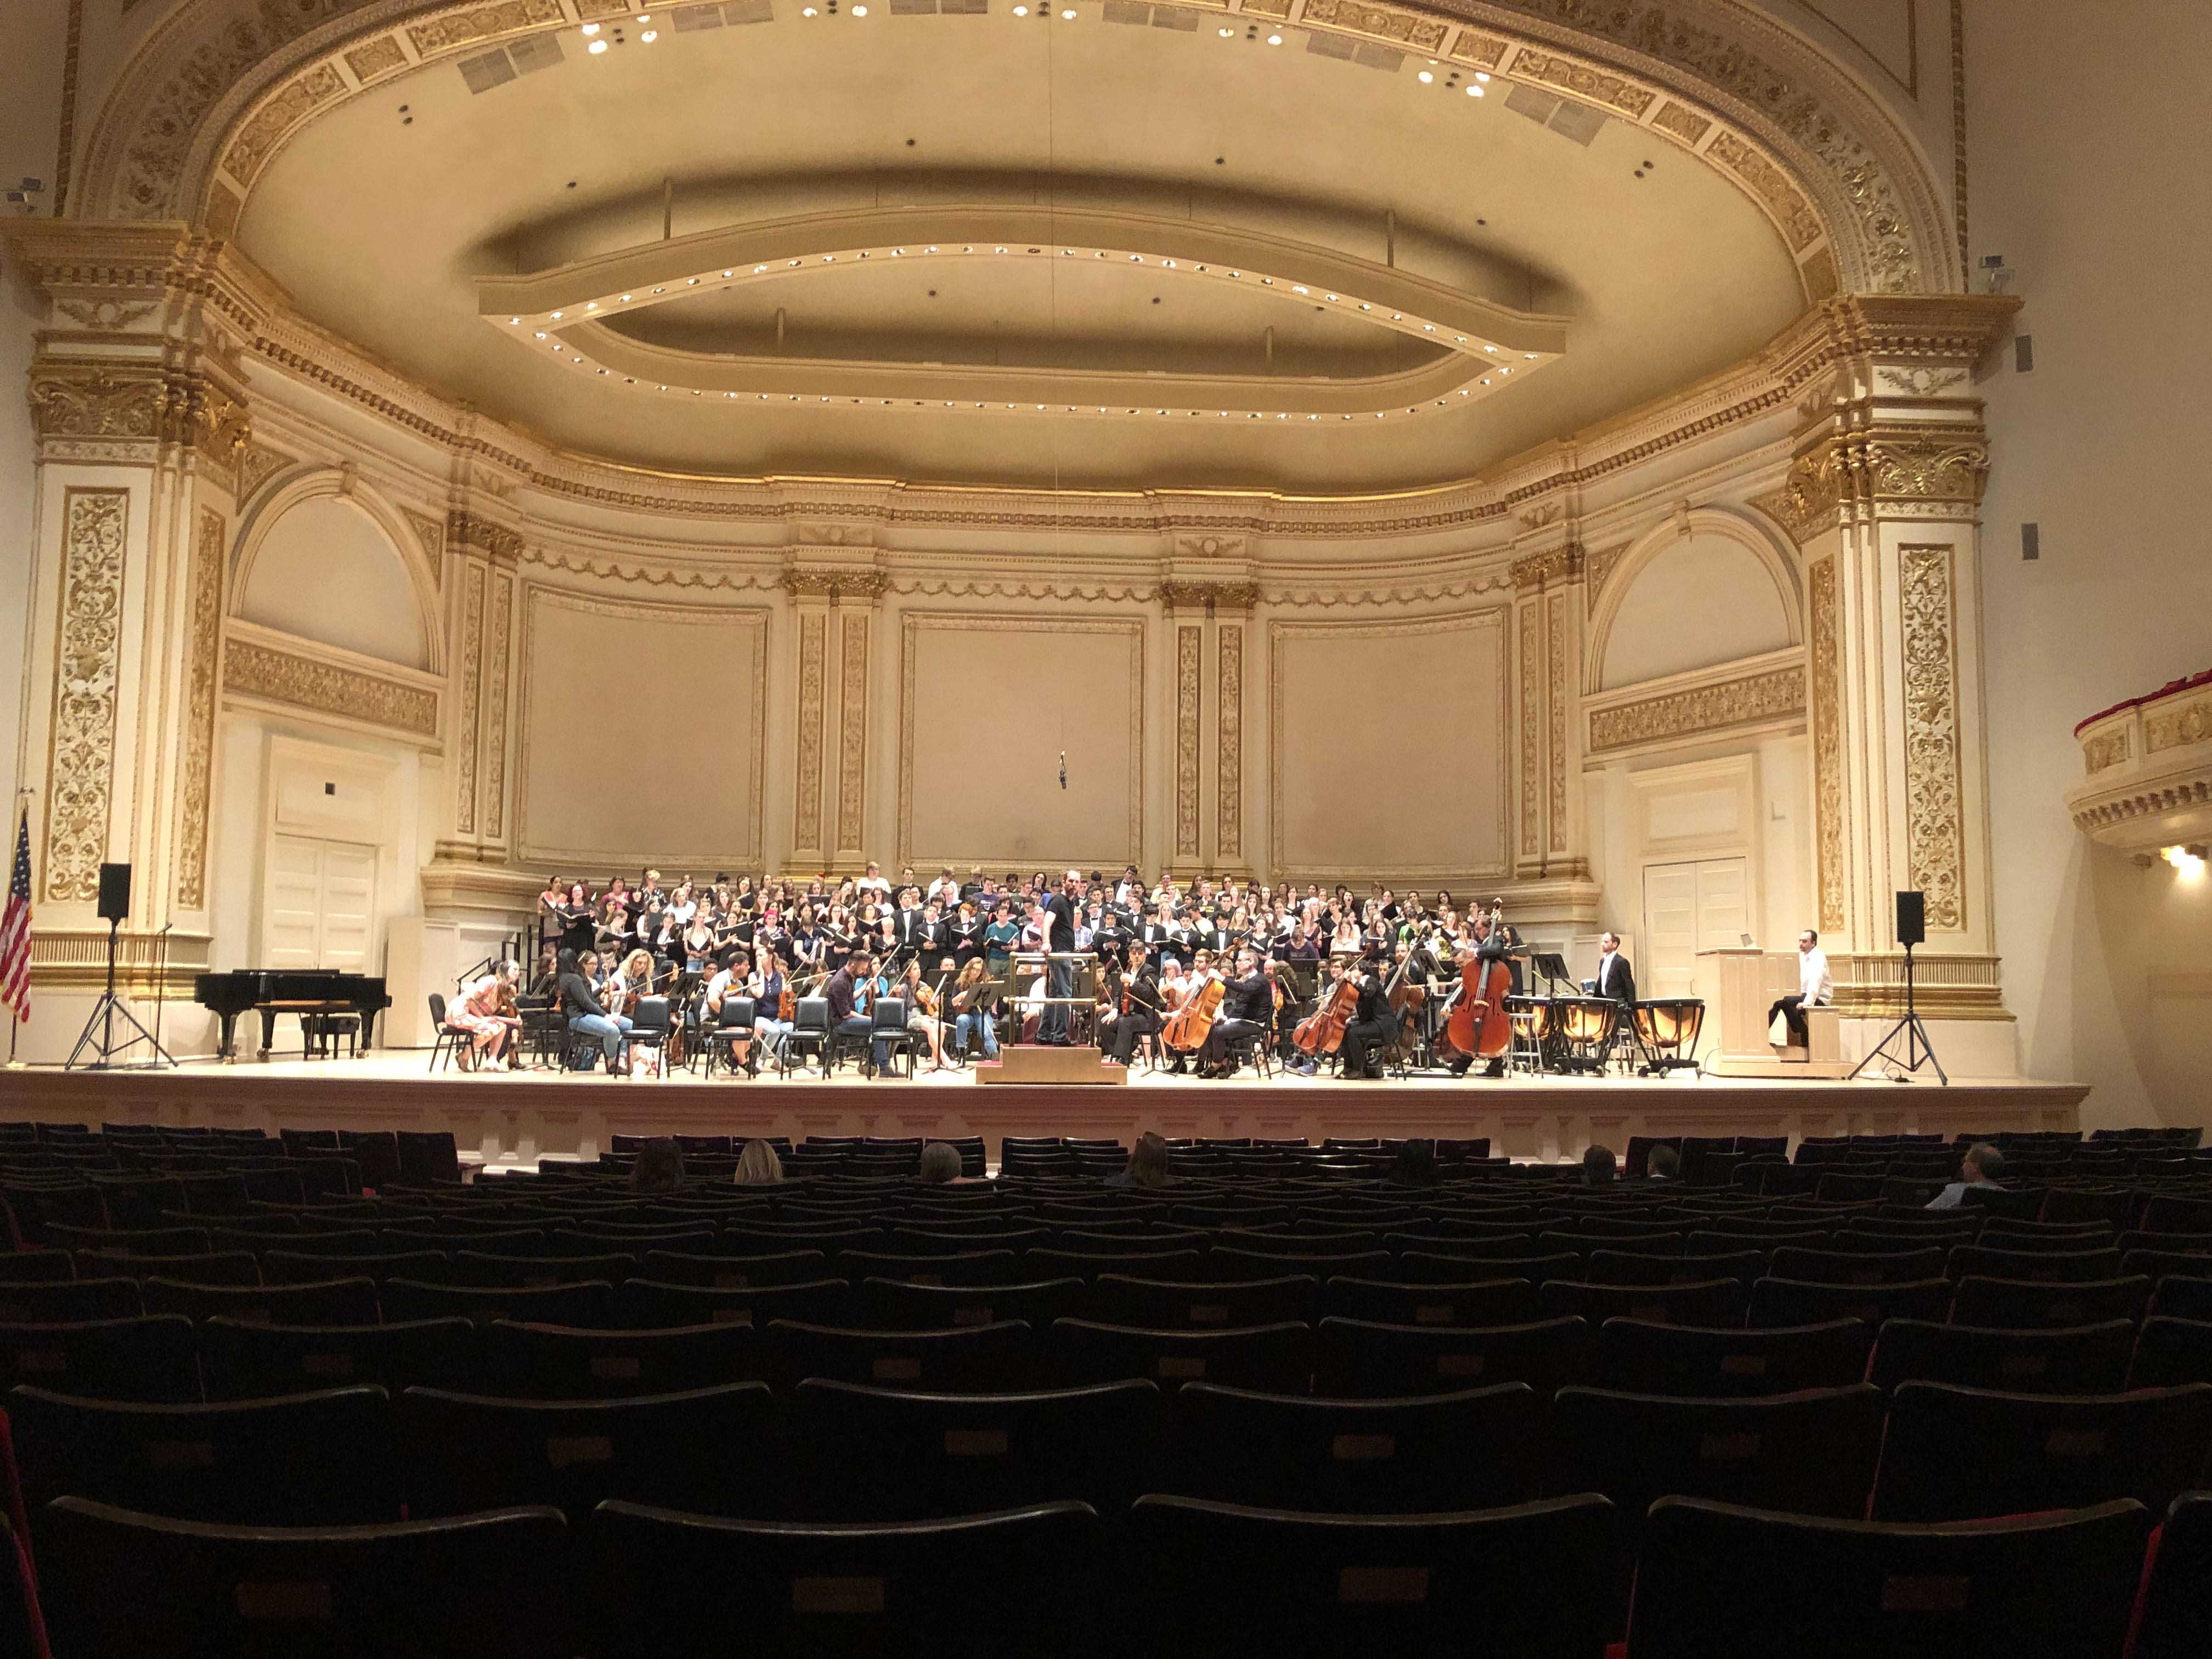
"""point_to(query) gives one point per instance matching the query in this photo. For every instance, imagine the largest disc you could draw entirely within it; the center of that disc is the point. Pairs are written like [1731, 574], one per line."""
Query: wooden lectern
[1739, 984]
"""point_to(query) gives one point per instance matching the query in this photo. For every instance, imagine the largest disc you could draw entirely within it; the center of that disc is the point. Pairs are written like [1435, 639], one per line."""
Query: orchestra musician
[922, 1013]
[766, 986]
[970, 1019]
[587, 1016]
[1185, 986]
[1373, 1022]
[1248, 1008]
[845, 1020]
[1142, 1006]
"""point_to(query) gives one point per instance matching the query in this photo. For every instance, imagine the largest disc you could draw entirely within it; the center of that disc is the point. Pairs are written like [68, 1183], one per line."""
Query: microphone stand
[160, 985]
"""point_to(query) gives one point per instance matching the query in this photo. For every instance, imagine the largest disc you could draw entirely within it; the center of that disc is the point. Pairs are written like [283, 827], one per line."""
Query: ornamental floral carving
[257, 463]
[1399, 28]
[1228, 803]
[472, 604]
[1935, 829]
[1556, 706]
[1188, 642]
[265, 129]
[852, 731]
[813, 652]
[1209, 596]
[481, 23]
[1532, 660]
[1932, 465]
[1610, 90]
[494, 541]
[257, 671]
[494, 720]
[1771, 186]
[1772, 696]
[1827, 739]
[204, 603]
[2171, 728]
[1805, 504]
[81, 402]
[836, 585]
[1598, 567]
[95, 525]
[2107, 750]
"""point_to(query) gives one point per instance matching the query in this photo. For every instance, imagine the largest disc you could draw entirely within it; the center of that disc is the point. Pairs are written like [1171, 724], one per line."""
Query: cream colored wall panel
[1697, 602]
[326, 571]
[987, 704]
[641, 733]
[1343, 802]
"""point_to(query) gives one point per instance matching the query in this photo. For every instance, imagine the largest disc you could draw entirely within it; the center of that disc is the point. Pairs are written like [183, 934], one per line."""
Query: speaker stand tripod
[98, 1034]
[1918, 1051]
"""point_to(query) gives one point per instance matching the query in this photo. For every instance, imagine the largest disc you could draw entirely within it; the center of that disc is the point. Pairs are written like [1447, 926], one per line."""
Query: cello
[1188, 1027]
[1321, 1032]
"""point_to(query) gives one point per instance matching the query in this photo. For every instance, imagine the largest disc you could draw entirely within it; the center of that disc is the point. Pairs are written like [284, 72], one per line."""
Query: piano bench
[320, 1033]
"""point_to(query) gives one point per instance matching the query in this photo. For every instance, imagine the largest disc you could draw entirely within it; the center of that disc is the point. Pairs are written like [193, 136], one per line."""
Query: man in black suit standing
[1616, 980]
[1061, 912]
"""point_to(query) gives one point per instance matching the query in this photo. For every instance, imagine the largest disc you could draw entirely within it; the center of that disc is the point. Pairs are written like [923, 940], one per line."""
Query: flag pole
[24, 794]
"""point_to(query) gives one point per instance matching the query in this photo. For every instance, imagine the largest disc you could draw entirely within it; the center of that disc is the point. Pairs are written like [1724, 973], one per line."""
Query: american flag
[15, 928]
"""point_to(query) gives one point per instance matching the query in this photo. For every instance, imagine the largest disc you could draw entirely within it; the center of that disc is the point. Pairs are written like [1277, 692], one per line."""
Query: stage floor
[503, 1119]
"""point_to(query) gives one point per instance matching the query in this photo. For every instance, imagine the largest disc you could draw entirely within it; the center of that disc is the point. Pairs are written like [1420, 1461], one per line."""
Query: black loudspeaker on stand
[1917, 1050]
[98, 1036]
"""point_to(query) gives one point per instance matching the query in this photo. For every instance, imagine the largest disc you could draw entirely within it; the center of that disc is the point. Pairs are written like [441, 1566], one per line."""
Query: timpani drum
[1668, 1028]
[1588, 1024]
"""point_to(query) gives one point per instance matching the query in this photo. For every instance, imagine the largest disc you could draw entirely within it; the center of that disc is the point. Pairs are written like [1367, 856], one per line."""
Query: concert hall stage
[510, 1119]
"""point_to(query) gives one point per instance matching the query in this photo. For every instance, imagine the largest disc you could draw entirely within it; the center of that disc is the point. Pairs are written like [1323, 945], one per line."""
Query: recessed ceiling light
[1425, 78]
[1474, 92]
[1274, 40]
[1019, 11]
[1225, 34]
[625, 299]
[597, 47]
[650, 36]
[1480, 77]
[541, 333]
[591, 29]
[1069, 14]
[860, 11]
[515, 320]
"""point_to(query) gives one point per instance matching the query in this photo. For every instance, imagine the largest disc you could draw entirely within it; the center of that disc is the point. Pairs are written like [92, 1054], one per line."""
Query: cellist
[1373, 1023]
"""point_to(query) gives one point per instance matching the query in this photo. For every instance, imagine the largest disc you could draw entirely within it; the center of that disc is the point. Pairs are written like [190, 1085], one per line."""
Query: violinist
[923, 1011]
[587, 1016]
[766, 988]
[1373, 1023]
[728, 980]
[1248, 1008]
[970, 1018]
[1140, 1013]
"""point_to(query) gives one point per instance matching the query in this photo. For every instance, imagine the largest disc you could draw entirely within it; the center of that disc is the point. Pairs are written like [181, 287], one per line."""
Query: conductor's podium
[1042, 1063]
[1739, 984]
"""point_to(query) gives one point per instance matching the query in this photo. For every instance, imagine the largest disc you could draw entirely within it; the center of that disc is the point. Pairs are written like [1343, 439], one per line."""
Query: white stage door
[1689, 908]
[321, 904]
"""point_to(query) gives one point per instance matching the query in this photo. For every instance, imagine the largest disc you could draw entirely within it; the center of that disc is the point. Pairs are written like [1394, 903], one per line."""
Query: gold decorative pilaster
[1548, 589]
[87, 673]
[1190, 639]
[202, 678]
[836, 606]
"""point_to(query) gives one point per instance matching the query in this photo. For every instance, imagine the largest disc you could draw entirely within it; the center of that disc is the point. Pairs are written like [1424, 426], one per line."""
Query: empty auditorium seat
[2024, 1305]
[966, 1360]
[1713, 1302]
[895, 1305]
[1426, 1266]
[555, 1362]
[578, 1303]
[1799, 1301]
[1118, 1299]
[1628, 1267]
[68, 1301]
[2171, 1351]
[1390, 1302]
[702, 1449]
[322, 1459]
[725, 1272]
[36, 1267]
[138, 1359]
[1359, 1359]
[952, 1267]
[119, 1584]
[1965, 1453]
[2078, 1359]
[301, 1267]
[1983, 1261]
[1274, 1358]
[335, 1302]
[1718, 1581]
[1182, 1264]
[669, 1585]
[1644, 1356]
[1237, 1581]
[2177, 1604]
[245, 1361]
[1426, 1455]
[883, 1454]
[1826, 1267]
[199, 1268]
[641, 1303]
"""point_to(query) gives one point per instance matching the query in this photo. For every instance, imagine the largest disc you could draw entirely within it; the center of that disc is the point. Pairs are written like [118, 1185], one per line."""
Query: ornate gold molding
[259, 671]
[852, 731]
[1805, 504]
[1532, 660]
[496, 668]
[2108, 749]
[1934, 813]
[204, 605]
[1827, 740]
[1774, 695]
[2172, 728]
[465, 714]
[1210, 547]
[1598, 567]
[495, 541]
[257, 463]
[1229, 758]
[813, 674]
[814, 582]
[1556, 707]
[1209, 596]
[88, 668]
[1541, 570]
[1923, 462]
[1189, 639]
[96, 401]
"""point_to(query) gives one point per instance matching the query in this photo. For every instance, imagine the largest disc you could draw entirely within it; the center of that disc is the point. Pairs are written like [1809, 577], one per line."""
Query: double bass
[1321, 1032]
[1477, 1027]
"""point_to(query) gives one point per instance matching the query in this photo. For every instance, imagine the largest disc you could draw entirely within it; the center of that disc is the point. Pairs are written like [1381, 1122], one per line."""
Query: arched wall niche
[1708, 586]
[220, 85]
[325, 558]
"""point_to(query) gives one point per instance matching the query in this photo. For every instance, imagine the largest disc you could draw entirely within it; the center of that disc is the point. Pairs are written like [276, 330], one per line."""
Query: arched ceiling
[408, 198]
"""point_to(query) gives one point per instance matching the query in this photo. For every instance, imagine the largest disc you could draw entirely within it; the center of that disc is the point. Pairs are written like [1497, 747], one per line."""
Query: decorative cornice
[1775, 694]
[834, 585]
[259, 670]
[1541, 570]
[495, 541]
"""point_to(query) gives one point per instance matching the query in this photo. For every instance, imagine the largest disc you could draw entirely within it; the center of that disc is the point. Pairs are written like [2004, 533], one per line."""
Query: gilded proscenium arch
[219, 86]
[1481, 345]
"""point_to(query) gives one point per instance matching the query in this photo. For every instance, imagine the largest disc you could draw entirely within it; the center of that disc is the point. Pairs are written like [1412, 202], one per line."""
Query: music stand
[1550, 967]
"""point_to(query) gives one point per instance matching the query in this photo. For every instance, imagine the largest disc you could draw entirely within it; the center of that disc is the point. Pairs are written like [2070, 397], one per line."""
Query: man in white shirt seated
[1815, 989]
[1983, 1166]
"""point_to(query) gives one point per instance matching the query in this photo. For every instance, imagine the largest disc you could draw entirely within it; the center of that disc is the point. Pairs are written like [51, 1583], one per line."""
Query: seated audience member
[1415, 1165]
[1665, 1165]
[1984, 1166]
[941, 1165]
[659, 1168]
[1599, 1166]
[758, 1165]
[1147, 1165]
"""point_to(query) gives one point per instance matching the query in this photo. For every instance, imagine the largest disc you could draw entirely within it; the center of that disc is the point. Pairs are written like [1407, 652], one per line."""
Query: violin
[1321, 1032]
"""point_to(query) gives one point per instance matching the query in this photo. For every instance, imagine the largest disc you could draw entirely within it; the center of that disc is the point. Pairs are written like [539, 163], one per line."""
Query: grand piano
[305, 992]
